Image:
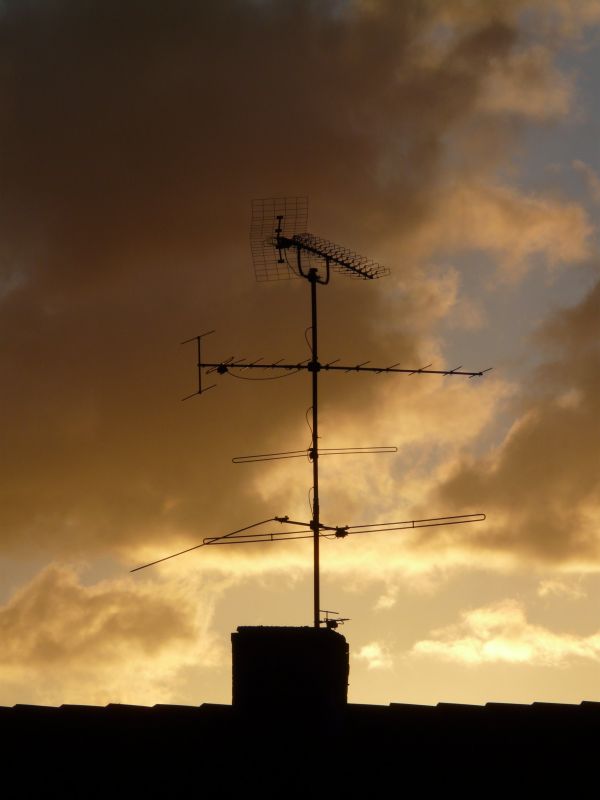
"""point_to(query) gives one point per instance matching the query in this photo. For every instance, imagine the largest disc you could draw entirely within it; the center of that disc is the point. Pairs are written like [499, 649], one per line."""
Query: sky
[455, 142]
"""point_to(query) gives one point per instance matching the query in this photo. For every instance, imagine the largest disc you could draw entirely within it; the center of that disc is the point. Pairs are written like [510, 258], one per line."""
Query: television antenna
[282, 249]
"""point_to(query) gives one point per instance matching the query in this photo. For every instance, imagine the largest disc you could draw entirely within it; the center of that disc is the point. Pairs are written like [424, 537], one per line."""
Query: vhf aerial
[282, 249]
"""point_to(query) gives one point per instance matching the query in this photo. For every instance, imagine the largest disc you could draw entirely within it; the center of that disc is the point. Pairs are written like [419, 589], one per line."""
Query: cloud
[528, 84]
[512, 226]
[591, 178]
[113, 639]
[132, 143]
[566, 19]
[387, 600]
[375, 655]
[501, 633]
[541, 487]
[560, 588]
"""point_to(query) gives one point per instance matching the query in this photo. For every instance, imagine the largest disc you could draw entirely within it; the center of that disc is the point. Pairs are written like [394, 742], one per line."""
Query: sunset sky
[457, 142]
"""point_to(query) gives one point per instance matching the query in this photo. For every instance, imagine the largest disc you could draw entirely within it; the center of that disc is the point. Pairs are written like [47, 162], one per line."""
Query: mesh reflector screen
[265, 256]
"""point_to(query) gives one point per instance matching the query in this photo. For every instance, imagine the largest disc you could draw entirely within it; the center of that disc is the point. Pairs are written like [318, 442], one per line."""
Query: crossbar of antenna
[224, 366]
[307, 453]
[343, 531]
[240, 536]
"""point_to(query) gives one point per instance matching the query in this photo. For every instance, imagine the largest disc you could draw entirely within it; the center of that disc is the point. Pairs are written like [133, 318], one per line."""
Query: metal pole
[314, 367]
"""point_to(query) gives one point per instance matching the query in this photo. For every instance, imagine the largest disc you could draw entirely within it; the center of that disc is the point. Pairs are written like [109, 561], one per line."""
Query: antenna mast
[344, 260]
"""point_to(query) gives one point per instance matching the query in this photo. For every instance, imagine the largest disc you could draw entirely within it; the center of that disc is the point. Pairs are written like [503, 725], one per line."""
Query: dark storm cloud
[132, 137]
[541, 489]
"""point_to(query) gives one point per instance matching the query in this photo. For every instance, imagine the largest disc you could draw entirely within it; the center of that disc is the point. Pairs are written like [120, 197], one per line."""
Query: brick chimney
[276, 666]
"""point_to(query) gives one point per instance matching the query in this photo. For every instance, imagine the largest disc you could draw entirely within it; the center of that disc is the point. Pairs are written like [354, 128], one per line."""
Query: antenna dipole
[278, 227]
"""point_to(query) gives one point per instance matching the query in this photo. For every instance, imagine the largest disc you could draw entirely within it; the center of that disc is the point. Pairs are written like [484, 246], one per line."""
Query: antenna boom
[223, 367]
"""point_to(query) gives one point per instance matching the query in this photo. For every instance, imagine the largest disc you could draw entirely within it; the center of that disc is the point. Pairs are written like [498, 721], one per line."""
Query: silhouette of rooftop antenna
[283, 249]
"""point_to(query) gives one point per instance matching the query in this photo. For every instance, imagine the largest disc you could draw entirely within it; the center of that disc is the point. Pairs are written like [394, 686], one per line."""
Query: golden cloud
[554, 587]
[104, 641]
[512, 226]
[375, 655]
[502, 633]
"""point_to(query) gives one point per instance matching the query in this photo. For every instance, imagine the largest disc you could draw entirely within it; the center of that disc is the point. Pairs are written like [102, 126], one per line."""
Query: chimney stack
[285, 666]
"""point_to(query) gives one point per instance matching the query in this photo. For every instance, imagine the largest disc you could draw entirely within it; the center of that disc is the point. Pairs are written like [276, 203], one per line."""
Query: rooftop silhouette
[290, 724]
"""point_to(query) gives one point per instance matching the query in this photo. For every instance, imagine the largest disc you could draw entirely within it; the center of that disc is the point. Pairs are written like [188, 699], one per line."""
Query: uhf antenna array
[282, 249]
